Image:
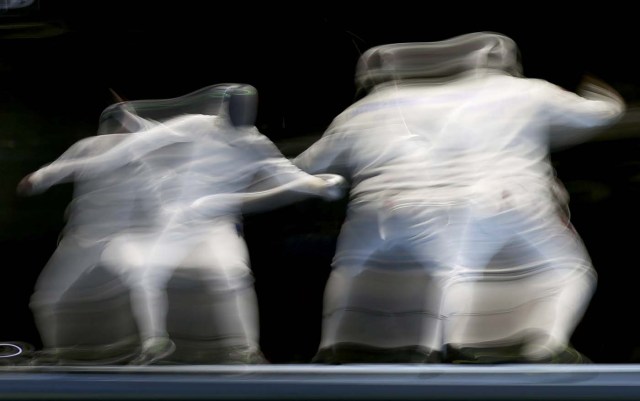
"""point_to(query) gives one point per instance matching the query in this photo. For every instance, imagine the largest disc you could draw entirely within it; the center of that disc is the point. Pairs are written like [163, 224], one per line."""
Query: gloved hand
[25, 186]
[336, 186]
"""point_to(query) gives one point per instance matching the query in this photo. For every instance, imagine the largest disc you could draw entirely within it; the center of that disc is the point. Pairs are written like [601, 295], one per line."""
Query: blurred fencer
[197, 171]
[454, 232]
[101, 208]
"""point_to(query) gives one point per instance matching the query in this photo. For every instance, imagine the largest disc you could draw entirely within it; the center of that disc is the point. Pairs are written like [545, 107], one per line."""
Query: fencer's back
[450, 140]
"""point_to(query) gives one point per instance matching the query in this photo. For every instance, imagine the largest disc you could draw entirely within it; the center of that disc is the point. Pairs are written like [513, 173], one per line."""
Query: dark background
[59, 58]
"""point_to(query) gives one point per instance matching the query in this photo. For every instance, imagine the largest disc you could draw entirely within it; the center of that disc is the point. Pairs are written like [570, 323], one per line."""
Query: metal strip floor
[319, 382]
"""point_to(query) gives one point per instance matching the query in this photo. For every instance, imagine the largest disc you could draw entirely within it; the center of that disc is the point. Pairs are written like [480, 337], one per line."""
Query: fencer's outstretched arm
[592, 87]
[324, 156]
[281, 172]
[129, 150]
[276, 180]
[328, 186]
[78, 150]
[577, 117]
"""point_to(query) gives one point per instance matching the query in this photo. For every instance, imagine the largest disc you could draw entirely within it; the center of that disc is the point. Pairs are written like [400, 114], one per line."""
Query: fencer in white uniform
[185, 160]
[448, 159]
[101, 208]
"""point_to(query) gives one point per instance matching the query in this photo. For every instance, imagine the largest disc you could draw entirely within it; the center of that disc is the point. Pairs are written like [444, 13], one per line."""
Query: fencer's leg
[432, 327]
[150, 305]
[147, 265]
[247, 306]
[69, 262]
[480, 238]
[572, 302]
[224, 326]
[337, 297]
[569, 305]
[360, 237]
[572, 281]
[434, 242]
[224, 258]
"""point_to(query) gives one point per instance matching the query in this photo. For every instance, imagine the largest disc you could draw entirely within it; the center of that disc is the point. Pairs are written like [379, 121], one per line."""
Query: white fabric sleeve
[323, 156]
[41, 180]
[576, 117]
[272, 197]
[131, 149]
[272, 165]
